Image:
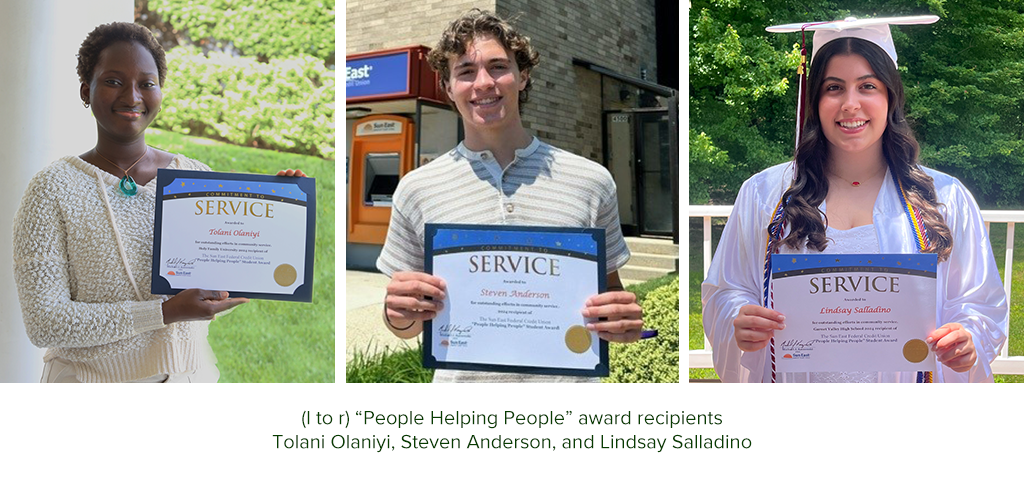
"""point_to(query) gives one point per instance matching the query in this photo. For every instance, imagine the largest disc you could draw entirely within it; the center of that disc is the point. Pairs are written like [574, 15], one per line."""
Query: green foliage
[267, 29]
[741, 104]
[286, 104]
[403, 366]
[651, 360]
[711, 171]
[964, 80]
[640, 290]
[269, 340]
[965, 93]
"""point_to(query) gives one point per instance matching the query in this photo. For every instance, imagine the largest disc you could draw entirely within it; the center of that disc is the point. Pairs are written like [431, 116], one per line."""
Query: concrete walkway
[364, 327]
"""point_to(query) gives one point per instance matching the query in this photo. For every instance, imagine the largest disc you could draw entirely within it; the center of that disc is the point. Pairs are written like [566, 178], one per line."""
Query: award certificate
[854, 312]
[251, 235]
[514, 300]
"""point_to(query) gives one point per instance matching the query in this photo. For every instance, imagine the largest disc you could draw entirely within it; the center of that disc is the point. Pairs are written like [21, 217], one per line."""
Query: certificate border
[914, 264]
[918, 264]
[302, 293]
[601, 369]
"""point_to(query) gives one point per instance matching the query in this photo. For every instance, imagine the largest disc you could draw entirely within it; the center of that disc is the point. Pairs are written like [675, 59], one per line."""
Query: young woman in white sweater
[83, 236]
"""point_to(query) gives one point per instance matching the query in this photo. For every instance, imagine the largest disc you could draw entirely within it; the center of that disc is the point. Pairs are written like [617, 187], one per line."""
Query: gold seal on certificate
[285, 275]
[855, 313]
[577, 339]
[514, 299]
[915, 350]
[251, 235]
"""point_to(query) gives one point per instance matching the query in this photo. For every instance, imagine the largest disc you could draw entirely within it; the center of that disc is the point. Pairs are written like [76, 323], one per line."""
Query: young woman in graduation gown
[847, 192]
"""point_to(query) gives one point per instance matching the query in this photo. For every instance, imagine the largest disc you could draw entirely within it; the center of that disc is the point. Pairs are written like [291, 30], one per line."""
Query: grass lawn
[406, 366]
[267, 340]
[997, 234]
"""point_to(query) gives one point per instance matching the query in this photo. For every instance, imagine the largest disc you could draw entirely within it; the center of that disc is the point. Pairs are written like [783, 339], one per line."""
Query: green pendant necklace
[128, 186]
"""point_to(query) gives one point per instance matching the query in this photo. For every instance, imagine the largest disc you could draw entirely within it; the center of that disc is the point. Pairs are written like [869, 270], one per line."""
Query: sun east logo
[378, 127]
[352, 73]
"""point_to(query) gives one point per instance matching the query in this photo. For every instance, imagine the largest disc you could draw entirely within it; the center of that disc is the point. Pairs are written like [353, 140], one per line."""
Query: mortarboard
[872, 30]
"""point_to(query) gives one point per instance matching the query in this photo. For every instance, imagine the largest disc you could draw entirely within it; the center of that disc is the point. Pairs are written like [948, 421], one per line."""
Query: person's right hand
[406, 301]
[755, 326]
[198, 304]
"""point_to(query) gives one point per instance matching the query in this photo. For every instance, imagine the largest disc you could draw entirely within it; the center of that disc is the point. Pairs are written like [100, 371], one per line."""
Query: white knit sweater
[83, 255]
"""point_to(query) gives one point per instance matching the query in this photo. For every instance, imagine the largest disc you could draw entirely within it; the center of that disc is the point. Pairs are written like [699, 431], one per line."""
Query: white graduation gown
[968, 285]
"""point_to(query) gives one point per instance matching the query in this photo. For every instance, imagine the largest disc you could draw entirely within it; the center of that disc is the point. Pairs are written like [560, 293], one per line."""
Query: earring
[85, 103]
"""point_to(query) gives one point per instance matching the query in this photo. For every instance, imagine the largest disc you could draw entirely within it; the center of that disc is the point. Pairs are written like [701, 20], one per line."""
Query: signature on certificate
[455, 329]
[799, 345]
[180, 262]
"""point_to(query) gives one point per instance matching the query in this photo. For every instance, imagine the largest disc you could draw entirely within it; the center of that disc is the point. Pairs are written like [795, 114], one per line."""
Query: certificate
[251, 235]
[514, 300]
[854, 312]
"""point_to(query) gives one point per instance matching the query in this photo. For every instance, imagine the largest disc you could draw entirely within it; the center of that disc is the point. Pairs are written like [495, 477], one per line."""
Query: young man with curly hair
[500, 174]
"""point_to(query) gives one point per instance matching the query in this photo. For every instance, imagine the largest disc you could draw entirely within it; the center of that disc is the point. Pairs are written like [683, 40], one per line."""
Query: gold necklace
[127, 184]
[858, 183]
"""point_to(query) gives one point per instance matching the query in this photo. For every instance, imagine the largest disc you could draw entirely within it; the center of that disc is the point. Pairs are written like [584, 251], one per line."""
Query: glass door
[654, 173]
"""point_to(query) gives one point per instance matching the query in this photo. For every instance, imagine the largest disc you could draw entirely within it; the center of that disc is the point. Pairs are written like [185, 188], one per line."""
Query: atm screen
[383, 187]
[381, 178]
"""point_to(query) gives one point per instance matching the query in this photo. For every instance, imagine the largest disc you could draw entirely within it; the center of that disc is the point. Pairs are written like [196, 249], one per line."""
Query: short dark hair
[475, 23]
[103, 36]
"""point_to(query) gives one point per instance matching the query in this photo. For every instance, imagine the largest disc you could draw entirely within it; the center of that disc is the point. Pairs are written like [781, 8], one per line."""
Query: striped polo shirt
[543, 186]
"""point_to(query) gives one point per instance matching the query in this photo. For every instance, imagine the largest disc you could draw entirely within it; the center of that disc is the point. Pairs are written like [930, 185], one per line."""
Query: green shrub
[404, 365]
[643, 288]
[651, 360]
[267, 28]
[285, 104]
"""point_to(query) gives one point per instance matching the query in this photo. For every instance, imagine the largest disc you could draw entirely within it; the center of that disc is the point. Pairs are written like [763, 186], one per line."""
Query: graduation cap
[875, 31]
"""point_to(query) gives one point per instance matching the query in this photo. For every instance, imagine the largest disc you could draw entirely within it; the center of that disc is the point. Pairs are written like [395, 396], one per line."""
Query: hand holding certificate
[250, 235]
[514, 298]
[954, 347]
[854, 312]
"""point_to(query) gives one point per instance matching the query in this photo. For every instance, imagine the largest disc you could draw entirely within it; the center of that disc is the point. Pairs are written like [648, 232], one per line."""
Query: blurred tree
[964, 79]
[741, 104]
[965, 92]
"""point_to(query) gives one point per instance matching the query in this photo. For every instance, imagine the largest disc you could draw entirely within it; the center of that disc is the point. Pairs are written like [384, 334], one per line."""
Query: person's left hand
[953, 346]
[291, 173]
[624, 316]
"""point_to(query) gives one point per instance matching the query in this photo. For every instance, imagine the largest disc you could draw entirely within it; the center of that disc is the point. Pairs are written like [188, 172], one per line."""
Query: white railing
[1004, 364]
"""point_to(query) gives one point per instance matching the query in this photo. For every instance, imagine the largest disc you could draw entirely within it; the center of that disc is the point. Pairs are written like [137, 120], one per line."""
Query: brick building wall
[565, 102]
[565, 105]
[373, 25]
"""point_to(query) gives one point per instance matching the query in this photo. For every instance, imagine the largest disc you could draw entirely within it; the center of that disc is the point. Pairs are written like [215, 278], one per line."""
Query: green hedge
[266, 28]
[285, 104]
[651, 360]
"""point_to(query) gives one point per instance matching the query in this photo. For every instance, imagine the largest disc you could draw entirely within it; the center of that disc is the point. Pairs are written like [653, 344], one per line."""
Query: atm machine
[382, 152]
[397, 119]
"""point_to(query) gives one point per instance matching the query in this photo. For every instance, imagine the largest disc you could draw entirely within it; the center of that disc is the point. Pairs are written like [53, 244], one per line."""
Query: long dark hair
[805, 220]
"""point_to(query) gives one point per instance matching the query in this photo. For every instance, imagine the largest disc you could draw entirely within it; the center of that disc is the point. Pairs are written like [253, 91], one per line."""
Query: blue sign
[377, 76]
